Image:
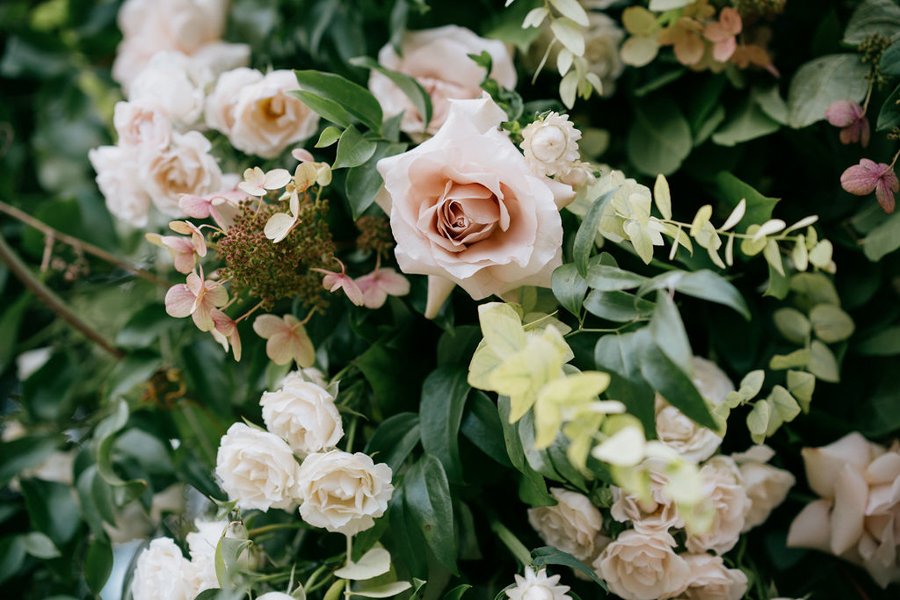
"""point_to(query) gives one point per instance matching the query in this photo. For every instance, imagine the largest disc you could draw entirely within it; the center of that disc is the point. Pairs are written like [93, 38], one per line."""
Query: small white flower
[343, 492]
[163, 572]
[572, 525]
[304, 415]
[258, 182]
[538, 586]
[257, 469]
[551, 144]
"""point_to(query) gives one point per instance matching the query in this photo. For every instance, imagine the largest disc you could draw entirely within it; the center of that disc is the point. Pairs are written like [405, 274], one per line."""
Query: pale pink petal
[279, 226]
[354, 294]
[302, 155]
[279, 348]
[723, 50]
[196, 207]
[850, 497]
[823, 465]
[202, 316]
[276, 179]
[439, 289]
[373, 296]
[393, 282]
[216, 294]
[194, 283]
[812, 527]
[859, 181]
[266, 326]
[731, 21]
[179, 301]
[843, 113]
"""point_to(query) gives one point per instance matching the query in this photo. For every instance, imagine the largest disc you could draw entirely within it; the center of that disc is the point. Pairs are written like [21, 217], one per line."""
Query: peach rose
[186, 167]
[710, 580]
[466, 209]
[858, 517]
[659, 513]
[729, 502]
[173, 85]
[643, 566]
[438, 59]
[224, 97]
[766, 486]
[572, 525]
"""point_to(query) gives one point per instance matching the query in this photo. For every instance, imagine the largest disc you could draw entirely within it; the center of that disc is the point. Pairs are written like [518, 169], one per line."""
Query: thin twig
[80, 244]
[53, 302]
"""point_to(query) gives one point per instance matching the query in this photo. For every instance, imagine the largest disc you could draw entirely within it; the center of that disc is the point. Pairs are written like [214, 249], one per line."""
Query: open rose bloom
[466, 209]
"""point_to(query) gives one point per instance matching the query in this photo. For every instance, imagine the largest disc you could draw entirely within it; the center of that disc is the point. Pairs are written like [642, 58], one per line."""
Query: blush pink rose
[439, 60]
[466, 209]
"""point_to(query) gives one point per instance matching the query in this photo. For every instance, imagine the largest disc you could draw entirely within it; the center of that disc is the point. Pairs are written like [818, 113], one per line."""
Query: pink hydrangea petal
[393, 282]
[279, 348]
[216, 294]
[302, 348]
[194, 283]
[723, 50]
[202, 317]
[196, 207]
[859, 180]
[179, 301]
[266, 326]
[885, 194]
[843, 113]
[374, 297]
[354, 294]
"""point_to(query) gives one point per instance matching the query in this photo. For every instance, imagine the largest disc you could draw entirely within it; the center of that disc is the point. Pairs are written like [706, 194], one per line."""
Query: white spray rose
[573, 525]
[185, 167]
[173, 85]
[551, 144]
[711, 580]
[343, 492]
[310, 375]
[163, 572]
[724, 492]
[538, 586]
[766, 486]
[120, 184]
[304, 415]
[258, 469]
[643, 566]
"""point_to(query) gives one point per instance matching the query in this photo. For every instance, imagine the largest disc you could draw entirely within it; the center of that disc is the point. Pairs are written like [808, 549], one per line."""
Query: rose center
[464, 214]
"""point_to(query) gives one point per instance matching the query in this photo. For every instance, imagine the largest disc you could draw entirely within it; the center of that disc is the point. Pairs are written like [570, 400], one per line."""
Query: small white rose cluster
[339, 491]
[642, 563]
[180, 80]
[550, 144]
[162, 570]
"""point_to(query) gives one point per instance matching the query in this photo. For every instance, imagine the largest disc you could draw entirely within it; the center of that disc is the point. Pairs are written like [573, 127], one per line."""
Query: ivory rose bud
[186, 167]
[202, 545]
[265, 118]
[343, 492]
[694, 442]
[711, 580]
[258, 469]
[173, 85]
[120, 184]
[551, 144]
[643, 566]
[724, 491]
[163, 572]
[439, 60]
[466, 209]
[304, 415]
[572, 525]
[766, 486]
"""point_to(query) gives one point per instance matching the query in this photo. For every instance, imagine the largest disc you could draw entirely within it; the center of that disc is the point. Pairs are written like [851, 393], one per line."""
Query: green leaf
[26, 453]
[660, 137]
[39, 545]
[353, 149]
[885, 342]
[830, 323]
[758, 421]
[428, 499]
[822, 363]
[329, 136]
[587, 233]
[10, 323]
[133, 370]
[618, 306]
[364, 182]
[674, 385]
[884, 239]
[52, 509]
[569, 287]
[532, 489]
[481, 426]
[732, 190]
[458, 592]
[47, 394]
[12, 555]
[394, 439]
[408, 85]
[548, 555]
[619, 355]
[98, 563]
[228, 552]
[873, 17]
[817, 287]
[144, 327]
[381, 590]
[819, 83]
[797, 358]
[747, 123]
[703, 284]
[889, 115]
[607, 278]
[802, 385]
[668, 332]
[792, 324]
[440, 415]
[352, 99]
[890, 60]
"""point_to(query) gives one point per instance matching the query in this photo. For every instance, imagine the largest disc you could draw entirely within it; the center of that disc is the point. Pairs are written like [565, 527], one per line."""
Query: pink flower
[722, 33]
[869, 176]
[851, 118]
[334, 281]
[381, 283]
[181, 249]
[226, 332]
[287, 340]
[221, 206]
[197, 298]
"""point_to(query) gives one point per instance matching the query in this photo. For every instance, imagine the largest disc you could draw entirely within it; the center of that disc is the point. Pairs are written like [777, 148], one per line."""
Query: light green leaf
[704, 284]
[784, 405]
[607, 278]
[747, 123]
[817, 287]
[617, 306]
[668, 332]
[664, 5]
[732, 190]
[353, 149]
[39, 545]
[883, 239]
[797, 358]
[674, 385]
[830, 323]
[569, 287]
[428, 498]
[587, 231]
[801, 385]
[383, 590]
[873, 17]
[822, 363]
[792, 324]
[758, 421]
[885, 342]
[571, 9]
[329, 135]
[569, 34]
[819, 83]
[502, 327]
[662, 197]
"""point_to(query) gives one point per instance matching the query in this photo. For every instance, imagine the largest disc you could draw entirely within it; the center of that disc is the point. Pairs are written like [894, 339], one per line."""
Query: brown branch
[80, 244]
[51, 300]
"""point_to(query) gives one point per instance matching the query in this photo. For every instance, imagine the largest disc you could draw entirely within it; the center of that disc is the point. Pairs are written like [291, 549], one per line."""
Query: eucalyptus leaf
[822, 81]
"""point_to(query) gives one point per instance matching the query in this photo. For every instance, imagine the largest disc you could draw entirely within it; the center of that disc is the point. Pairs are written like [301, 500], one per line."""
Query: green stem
[349, 560]
[509, 539]
[273, 527]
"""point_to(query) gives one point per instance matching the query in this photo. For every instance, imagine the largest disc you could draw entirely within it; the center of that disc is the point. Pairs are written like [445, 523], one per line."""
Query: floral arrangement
[535, 299]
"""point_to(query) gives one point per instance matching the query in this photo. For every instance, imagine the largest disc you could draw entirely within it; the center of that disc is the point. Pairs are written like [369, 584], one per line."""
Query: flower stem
[272, 527]
[51, 300]
[349, 560]
[80, 244]
[509, 539]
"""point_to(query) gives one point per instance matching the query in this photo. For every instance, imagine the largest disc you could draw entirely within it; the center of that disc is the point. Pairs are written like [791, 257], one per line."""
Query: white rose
[601, 50]
[694, 442]
[185, 167]
[766, 486]
[120, 184]
[202, 545]
[643, 566]
[258, 469]
[343, 492]
[163, 572]
[551, 144]
[725, 495]
[304, 415]
[142, 125]
[538, 586]
[310, 375]
[438, 59]
[221, 101]
[218, 57]
[173, 85]
[711, 580]
[573, 525]
[267, 118]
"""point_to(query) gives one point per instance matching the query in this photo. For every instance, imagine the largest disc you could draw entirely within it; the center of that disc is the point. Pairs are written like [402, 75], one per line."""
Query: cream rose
[120, 184]
[163, 572]
[572, 525]
[643, 566]
[265, 118]
[185, 167]
[173, 85]
[343, 492]
[858, 515]
[304, 415]
[466, 209]
[202, 545]
[711, 580]
[141, 125]
[724, 491]
[221, 101]
[766, 486]
[258, 469]
[658, 513]
[438, 59]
